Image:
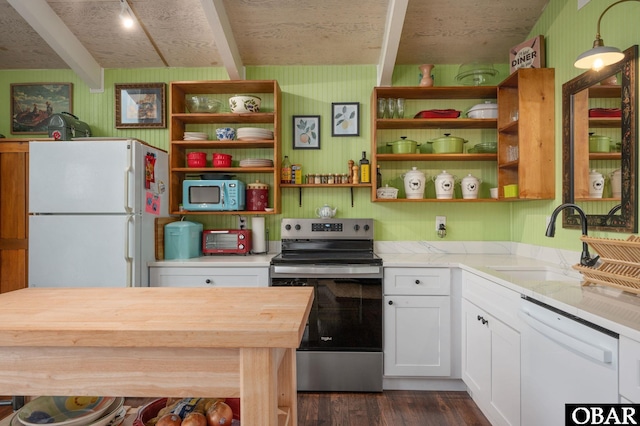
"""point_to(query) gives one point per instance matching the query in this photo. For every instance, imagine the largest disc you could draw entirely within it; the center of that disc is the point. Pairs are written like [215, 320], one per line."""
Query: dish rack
[620, 267]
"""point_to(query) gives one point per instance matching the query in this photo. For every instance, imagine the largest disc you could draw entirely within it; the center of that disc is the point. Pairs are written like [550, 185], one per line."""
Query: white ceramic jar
[616, 183]
[444, 183]
[596, 184]
[414, 183]
[470, 187]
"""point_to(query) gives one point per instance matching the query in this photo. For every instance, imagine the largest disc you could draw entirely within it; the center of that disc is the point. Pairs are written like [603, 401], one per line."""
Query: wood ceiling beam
[391, 41]
[56, 34]
[223, 36]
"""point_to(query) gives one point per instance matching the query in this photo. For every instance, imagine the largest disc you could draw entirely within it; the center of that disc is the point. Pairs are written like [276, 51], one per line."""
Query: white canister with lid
[414, 183]
[444, 183]
[596, 184]
[470, 187]
[616, 183]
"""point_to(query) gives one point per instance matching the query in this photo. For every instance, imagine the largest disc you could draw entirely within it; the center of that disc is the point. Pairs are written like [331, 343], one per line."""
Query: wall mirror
[590, 121]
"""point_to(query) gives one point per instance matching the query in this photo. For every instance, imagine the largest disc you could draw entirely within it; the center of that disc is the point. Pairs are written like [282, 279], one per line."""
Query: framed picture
[345, 118]
[32, 104]
[140, 106]
[306, 132]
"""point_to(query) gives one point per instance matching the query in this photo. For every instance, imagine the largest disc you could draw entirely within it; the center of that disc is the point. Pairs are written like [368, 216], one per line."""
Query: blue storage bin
[182, 240]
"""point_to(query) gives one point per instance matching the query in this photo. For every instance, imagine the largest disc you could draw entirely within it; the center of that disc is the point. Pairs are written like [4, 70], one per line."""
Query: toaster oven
[226, 241]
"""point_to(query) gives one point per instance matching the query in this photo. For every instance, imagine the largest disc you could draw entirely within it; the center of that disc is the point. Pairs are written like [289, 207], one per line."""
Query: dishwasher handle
[594, 352]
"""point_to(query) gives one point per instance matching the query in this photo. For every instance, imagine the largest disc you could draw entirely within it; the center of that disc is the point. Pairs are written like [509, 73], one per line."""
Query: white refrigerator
[92, 205]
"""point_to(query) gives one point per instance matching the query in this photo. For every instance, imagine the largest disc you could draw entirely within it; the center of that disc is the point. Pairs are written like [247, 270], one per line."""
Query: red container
[197, 159]
[257, 196]
[221, 160]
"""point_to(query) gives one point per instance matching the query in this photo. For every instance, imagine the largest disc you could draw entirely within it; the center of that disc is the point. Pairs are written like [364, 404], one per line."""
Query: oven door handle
[325, 270]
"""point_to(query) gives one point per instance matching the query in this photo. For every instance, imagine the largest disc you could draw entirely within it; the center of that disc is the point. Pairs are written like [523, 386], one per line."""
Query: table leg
[287, 385]
[258, 386]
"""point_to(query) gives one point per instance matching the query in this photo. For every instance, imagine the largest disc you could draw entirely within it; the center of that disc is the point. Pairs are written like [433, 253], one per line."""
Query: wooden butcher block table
[152, 342]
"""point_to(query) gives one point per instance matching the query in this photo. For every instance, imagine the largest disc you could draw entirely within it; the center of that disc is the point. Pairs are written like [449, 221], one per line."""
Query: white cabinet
[629, 370]
[417, 322]
[161, 276]
[491, 348]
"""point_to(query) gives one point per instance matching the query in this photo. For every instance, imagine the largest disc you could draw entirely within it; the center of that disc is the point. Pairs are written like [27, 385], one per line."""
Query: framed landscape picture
[33, 104]
[140, 106]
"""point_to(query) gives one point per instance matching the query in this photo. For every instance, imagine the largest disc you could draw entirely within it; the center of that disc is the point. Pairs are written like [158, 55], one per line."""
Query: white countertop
[608, 307]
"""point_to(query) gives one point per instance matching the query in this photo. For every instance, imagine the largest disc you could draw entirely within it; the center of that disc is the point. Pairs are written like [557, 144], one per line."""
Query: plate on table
[64, 410]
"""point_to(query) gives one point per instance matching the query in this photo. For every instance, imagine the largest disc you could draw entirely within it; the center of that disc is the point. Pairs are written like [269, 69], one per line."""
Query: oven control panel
[327, 228]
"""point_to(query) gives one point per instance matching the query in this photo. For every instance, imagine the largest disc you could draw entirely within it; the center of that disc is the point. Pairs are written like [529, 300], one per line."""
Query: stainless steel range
[341, 349]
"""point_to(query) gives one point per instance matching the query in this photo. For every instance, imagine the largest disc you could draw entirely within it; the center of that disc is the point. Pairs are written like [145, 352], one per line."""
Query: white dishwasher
[564, 360]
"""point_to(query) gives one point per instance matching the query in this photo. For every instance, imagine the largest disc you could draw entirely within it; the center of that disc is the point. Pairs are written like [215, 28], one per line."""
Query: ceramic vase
[427, 80]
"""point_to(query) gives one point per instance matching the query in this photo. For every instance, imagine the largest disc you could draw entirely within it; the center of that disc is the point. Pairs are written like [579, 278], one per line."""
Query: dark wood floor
[397, 408]
[389, 408]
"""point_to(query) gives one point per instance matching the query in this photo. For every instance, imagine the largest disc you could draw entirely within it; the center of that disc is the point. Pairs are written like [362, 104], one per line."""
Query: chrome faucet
[585, 257]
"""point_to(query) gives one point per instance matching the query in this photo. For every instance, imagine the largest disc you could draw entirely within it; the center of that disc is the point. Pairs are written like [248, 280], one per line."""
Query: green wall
[310, 90]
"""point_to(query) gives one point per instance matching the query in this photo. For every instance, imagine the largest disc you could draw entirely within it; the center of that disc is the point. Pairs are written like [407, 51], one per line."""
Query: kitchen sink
[535, 273]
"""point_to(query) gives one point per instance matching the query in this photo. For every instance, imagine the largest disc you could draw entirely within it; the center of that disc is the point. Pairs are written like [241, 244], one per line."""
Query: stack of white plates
[253, 133]
[195, 136]
[71, 411]
[256, 162]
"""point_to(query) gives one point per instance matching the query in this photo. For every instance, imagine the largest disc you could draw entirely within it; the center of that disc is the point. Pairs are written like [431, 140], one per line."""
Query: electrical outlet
[441, 220]
[242, 222]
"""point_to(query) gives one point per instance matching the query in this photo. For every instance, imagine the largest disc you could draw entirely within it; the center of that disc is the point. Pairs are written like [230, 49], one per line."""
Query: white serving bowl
[485, 110]
[241, 104]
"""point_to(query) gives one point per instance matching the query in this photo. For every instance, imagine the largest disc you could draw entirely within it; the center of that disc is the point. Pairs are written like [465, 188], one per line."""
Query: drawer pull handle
[417, 281]
[208, 281]
[391, 302]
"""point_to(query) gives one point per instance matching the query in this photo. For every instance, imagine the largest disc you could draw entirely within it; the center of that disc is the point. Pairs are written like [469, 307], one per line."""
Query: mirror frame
[627, 220]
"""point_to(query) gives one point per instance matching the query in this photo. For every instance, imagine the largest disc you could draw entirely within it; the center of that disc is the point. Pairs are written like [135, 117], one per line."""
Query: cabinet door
[630, 369]
[13, 214]
[505, 373]
[476, 350]
[208, 277]
[417, 339]
[491, 364]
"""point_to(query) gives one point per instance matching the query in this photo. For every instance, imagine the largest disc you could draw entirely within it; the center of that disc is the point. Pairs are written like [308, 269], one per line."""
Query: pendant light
[125, 15]
[600, 55]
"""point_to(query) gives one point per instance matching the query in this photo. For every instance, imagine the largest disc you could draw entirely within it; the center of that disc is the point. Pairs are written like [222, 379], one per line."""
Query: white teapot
[326, 212]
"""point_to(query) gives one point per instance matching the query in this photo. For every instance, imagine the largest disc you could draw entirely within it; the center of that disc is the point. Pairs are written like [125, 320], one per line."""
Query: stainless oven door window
[346, 314]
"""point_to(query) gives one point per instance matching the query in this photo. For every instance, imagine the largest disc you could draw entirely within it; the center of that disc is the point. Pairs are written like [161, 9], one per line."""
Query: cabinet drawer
[208, 277]
[630, 369]
[417, 281]
[501, 302]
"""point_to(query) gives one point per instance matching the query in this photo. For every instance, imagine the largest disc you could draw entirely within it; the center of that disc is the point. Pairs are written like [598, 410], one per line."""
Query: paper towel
[258, 235]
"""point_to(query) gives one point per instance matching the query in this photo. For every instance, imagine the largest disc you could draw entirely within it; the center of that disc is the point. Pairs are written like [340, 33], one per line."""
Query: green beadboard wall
[569, 32]
[310, 90]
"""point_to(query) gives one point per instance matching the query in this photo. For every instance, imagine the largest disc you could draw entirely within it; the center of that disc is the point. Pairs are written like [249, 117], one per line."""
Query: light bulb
[125, 15]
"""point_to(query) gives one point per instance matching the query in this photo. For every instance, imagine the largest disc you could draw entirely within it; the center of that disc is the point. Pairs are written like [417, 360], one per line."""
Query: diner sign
[529, 54]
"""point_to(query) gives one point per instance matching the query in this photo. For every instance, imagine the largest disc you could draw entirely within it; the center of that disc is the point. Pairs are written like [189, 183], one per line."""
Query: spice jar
[318, 179]
[330, 179]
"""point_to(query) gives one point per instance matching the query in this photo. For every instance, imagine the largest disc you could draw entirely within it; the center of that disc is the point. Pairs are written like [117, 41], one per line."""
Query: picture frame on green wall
[306, 132]
[140, 106]
[345, 119]
[33, 104]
